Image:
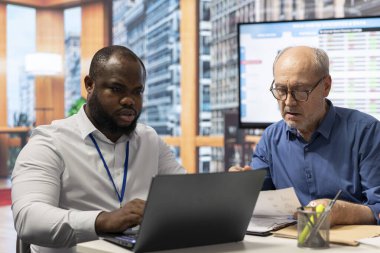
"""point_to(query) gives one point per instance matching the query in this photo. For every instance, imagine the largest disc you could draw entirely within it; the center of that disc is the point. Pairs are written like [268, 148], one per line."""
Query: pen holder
[313, 228]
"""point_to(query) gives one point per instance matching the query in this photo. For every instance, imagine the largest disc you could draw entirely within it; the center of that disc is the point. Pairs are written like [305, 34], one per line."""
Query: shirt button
[306, 149]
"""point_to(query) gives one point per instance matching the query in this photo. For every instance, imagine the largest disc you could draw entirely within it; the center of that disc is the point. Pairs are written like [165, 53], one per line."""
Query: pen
[323, 216]
[309, 225]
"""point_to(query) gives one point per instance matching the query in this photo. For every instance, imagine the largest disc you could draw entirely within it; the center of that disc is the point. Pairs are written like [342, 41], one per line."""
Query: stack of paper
[374, 241]
[273, 210]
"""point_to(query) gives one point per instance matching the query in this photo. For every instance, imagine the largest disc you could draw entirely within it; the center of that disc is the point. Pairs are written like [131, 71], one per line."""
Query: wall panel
[50, 90]
[189, 83]
[3, 91]
[96, 33]
[3, 65]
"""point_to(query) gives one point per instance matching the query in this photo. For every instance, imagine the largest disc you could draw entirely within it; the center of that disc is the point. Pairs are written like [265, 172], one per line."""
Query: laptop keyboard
[127, 241]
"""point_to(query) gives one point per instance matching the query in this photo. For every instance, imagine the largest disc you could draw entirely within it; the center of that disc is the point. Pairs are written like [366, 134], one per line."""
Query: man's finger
[235, 169]
[247, 167]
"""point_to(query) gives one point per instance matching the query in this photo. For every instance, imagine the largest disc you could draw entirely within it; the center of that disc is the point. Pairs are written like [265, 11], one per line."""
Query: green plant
[76, 106]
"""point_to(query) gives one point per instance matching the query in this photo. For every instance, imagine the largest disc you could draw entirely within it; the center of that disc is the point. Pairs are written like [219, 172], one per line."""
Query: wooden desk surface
[254, 244]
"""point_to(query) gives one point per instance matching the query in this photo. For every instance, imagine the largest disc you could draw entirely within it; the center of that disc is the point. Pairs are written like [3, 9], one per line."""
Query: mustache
[126, 109]
[290, 110]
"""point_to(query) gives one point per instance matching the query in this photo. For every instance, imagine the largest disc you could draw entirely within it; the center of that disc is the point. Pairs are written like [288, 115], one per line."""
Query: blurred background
[190, 51]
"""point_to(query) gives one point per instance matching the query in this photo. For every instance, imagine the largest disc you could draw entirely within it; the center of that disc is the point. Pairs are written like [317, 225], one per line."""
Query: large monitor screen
[353, 45]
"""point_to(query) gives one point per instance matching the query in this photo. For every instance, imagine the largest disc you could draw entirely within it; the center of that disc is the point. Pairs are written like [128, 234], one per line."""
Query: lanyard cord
[121, 195]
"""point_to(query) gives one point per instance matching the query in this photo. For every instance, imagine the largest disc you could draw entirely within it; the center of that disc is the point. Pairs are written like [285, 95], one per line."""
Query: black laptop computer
[195, 209]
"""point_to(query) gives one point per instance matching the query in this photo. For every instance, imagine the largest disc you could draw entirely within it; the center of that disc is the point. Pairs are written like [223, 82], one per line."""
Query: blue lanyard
[121, 195]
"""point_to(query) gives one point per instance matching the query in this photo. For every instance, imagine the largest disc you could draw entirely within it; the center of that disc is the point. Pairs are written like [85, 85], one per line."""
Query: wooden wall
[49, 90]
[189, 83]
[96, 33]
[3, 91]
[3, 66]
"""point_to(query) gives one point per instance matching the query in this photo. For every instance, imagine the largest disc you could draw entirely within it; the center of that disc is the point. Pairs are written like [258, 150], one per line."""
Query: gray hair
[321, 60]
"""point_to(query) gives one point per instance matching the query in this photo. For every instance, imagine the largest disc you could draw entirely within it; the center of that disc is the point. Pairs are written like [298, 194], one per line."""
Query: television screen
[353, 45]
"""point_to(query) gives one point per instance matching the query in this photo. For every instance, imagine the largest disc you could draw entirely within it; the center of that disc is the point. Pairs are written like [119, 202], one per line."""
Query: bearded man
[90, 173]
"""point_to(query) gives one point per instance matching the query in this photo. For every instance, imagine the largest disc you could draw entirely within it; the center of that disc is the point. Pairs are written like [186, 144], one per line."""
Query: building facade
[72, 71]
[151, 29]
[204, 153]
[26, 113]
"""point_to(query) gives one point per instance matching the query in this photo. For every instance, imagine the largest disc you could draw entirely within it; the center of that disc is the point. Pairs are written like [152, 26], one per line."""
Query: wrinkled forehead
[293, 72]
[298, 60]
[295, 85]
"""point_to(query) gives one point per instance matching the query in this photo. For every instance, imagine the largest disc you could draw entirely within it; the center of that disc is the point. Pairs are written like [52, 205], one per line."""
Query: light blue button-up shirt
[343, 153]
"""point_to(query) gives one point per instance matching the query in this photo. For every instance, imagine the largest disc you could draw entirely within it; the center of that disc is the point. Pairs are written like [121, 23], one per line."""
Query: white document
[374, 241]
[273, 210]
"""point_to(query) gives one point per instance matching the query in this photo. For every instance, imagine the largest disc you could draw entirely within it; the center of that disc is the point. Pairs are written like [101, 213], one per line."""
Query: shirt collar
[327, 123]
[86, 127]
[324, 128]
[291, 133]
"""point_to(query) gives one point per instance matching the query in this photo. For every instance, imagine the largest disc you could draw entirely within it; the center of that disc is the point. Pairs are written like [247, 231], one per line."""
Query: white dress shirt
[60, 184]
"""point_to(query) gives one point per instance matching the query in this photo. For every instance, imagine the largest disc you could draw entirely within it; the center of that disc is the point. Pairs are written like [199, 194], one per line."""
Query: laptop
[189, 210]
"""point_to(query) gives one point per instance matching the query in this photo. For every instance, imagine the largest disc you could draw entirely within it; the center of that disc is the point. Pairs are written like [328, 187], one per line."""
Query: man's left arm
[367, 212]
[347, 213]
[370, 169]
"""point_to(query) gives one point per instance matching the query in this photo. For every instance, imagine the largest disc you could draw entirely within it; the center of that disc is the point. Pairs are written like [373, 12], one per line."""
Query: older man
[319, 148]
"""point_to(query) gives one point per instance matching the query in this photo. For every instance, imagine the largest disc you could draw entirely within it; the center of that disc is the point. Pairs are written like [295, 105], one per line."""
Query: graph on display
[353, 45]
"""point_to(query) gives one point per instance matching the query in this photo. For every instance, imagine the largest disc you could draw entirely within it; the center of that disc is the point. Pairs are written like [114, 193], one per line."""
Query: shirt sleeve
[167, 163]
[260, 156]
[260, 161]
[36, 185]
[370, 168]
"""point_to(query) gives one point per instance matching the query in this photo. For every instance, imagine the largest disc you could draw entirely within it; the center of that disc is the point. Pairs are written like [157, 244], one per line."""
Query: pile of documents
[273, 210]
[274, 213]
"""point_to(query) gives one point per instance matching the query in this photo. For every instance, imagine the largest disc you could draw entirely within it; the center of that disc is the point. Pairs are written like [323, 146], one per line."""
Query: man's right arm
[259, 161]
[36, 186]
[121, 219]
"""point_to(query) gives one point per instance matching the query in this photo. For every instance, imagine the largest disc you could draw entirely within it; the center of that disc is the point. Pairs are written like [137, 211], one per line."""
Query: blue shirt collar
[328, 122]
[324, 128]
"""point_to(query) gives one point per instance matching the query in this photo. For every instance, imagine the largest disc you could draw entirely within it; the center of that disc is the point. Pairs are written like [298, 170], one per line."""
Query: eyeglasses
[301, 96]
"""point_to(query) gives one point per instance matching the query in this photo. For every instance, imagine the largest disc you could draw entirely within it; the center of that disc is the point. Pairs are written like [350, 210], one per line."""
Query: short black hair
[102, 56]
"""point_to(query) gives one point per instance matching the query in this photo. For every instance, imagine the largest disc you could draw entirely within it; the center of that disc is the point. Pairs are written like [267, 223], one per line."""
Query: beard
[105, 122]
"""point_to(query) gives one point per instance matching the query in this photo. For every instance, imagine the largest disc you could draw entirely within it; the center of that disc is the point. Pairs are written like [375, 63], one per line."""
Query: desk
[254, 244]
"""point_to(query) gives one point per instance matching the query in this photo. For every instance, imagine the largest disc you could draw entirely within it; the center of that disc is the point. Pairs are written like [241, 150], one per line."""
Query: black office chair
[22, 247]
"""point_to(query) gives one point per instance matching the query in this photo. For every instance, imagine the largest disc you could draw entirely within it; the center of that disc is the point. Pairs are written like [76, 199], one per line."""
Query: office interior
[189, 48]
